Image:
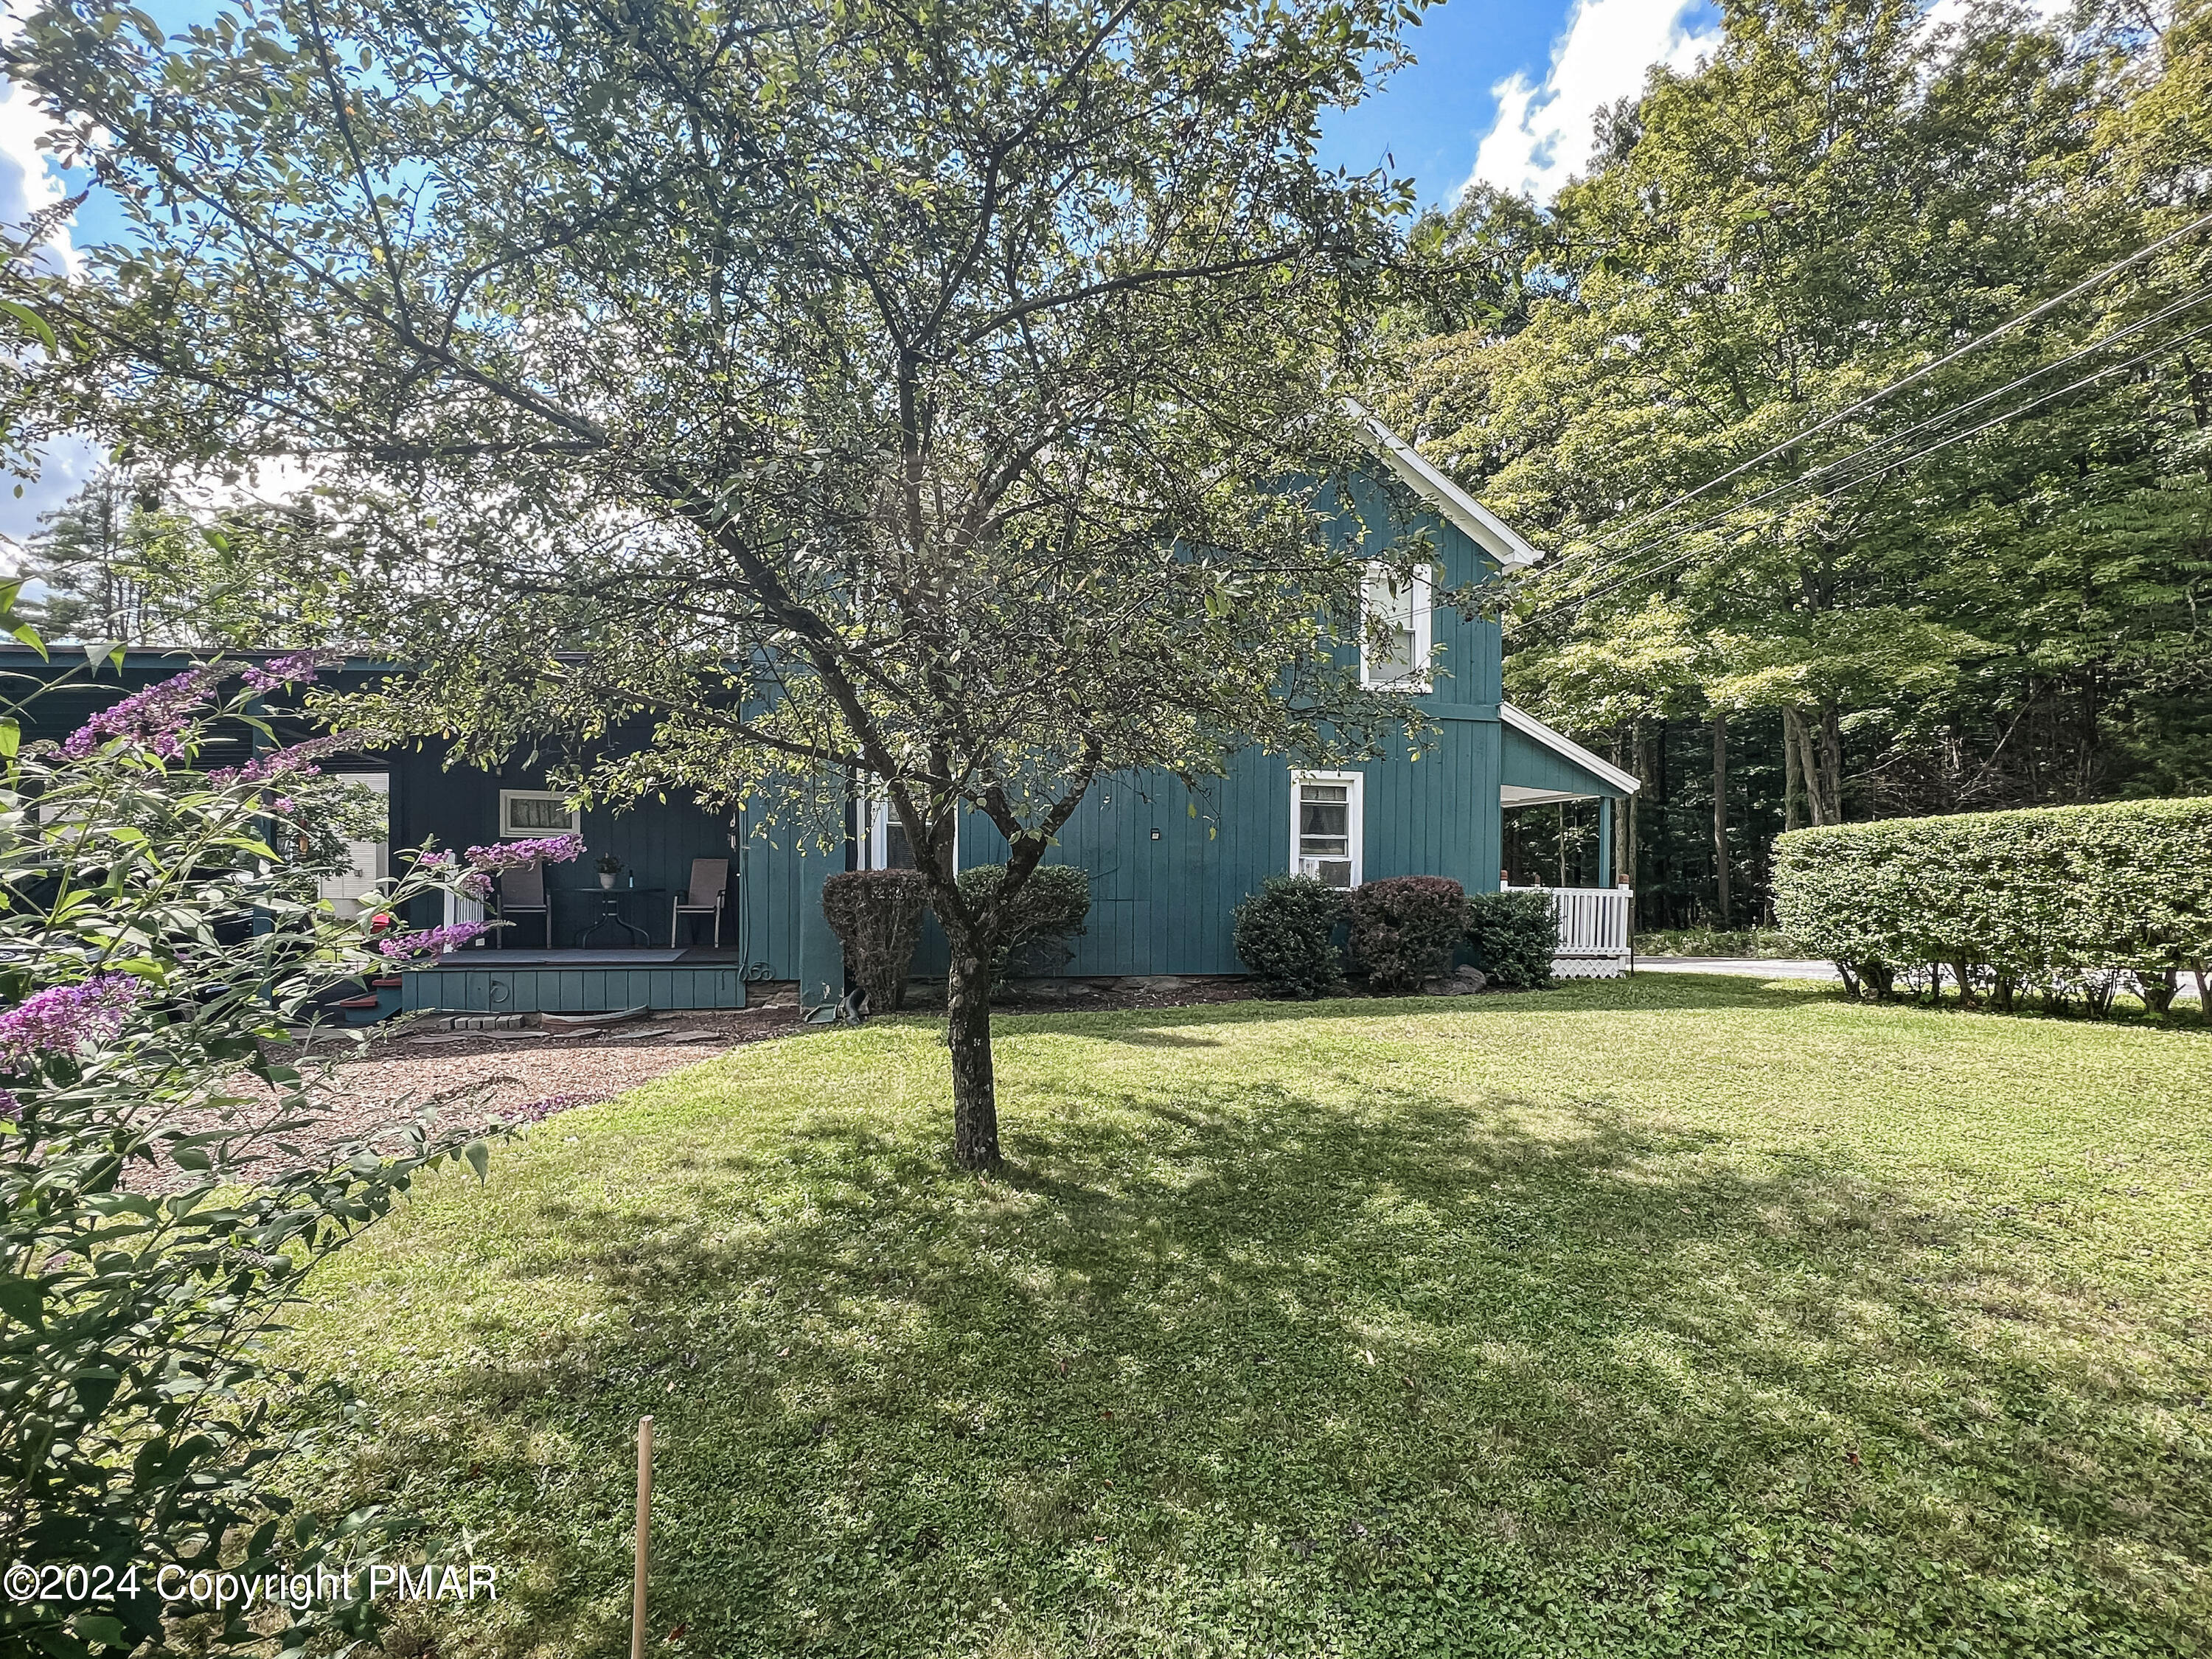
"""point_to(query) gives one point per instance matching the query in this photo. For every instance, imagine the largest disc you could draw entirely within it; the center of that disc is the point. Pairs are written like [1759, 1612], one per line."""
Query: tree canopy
[1987, 588]
[947, 401]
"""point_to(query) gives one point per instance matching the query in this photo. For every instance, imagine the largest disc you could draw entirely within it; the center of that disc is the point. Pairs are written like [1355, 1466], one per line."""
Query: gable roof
[1481, 526]
[1533, 729]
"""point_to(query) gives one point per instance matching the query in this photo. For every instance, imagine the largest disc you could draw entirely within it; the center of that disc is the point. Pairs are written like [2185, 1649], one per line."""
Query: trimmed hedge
[1514, 937]
[1404, 929]
[877, 916]
[1050, 910]
[1286, 935]
[2064, 900]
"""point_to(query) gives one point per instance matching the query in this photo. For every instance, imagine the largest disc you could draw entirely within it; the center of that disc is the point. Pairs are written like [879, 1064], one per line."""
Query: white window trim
[1355, 817]
[1424, 634]
[575, 816]
[875, 846]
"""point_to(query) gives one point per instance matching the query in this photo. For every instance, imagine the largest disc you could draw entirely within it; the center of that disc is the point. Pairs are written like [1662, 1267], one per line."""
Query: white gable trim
[1529, 727]
[1482, 526]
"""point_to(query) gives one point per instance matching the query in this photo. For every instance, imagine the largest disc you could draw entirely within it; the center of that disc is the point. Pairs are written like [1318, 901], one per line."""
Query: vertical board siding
[1157, 907]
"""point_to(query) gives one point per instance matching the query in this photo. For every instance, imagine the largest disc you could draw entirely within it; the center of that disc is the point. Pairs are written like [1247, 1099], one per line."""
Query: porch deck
[1594, 936]
[576, 981]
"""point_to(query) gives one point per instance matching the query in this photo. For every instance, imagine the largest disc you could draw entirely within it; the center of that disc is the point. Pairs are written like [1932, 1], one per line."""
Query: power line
[1902, 460]
[1844, 461]
[1924, 370]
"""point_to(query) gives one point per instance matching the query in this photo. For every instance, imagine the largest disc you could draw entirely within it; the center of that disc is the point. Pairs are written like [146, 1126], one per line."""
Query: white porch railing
[1593, 930]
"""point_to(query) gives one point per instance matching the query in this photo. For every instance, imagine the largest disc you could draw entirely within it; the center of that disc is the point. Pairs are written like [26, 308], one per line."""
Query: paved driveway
[1757, 968]
[1748, 967]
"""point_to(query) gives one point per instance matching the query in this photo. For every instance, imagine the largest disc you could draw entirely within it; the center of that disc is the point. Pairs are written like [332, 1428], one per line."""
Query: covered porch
[1544, 768]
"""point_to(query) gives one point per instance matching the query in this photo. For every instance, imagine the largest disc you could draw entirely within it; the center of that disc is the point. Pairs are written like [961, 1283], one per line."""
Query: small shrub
[1050, 910]
[1404, 929]
[1286, 935]
[1514, 937]
[877, 916]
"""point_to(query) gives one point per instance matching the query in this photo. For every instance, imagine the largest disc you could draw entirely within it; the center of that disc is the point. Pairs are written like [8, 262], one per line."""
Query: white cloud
[29, 184]
[1542, 136]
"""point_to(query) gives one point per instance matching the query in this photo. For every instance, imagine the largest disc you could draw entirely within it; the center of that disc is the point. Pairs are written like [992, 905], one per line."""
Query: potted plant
[610, 867]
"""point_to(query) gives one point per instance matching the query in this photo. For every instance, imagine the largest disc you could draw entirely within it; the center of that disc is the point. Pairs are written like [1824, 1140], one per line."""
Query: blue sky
[1502, 91]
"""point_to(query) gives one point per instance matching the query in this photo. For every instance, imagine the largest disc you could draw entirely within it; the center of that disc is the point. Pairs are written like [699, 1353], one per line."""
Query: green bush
[1285, 933]
[1049, 910]
[877, 916]
[1404, 929]
[2065, 900]
[1514, 937]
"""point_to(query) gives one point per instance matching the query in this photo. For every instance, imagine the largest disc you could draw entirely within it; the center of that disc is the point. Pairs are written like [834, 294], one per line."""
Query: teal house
[703, 903]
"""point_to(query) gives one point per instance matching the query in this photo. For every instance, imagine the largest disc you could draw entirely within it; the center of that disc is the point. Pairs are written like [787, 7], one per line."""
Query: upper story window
[529, 812]
[1394, 628]
[1327, 810]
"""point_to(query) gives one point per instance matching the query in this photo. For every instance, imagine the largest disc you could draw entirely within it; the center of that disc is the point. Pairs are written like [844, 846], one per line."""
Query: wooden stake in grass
[644, 1528]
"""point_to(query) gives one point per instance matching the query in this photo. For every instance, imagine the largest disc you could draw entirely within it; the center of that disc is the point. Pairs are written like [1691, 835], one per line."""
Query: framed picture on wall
[528, 813]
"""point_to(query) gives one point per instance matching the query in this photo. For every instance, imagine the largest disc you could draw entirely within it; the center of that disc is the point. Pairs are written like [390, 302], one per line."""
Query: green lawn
[1679, 1315]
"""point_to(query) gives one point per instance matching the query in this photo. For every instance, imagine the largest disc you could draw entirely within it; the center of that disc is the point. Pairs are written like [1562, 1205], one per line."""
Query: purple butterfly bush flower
[156, 716]
[11, 1109]
[62, 1018]
[515, 854]
[431, 941]
[295, 668]
[296, 760]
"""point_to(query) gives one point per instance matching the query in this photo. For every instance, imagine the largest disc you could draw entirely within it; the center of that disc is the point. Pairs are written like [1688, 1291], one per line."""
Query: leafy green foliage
[877, 916]
[122, 561]
[1404, 929]
[1839, 197]
[2059, 898]
[1285, 933]
[155, 1214]
[1514, 937]
[897, 395]
[1040, 915]
[1650, 1318]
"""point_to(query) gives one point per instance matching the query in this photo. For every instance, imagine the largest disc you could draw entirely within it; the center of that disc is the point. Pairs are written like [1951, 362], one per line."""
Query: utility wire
[1842, 462]
[1924, 370]
[1902, 460]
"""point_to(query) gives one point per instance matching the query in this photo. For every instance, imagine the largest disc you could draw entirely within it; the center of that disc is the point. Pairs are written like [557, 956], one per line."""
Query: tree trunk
[1832, 762]
[1720, 816]
[1820, 768]
[968, 1032]
[1793, 781]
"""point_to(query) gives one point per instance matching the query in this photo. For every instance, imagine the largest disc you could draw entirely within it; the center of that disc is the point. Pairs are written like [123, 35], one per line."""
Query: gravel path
[468, 1078]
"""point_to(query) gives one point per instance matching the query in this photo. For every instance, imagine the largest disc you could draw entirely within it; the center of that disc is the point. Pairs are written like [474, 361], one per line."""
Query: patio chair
[522, 893]
[710, 883]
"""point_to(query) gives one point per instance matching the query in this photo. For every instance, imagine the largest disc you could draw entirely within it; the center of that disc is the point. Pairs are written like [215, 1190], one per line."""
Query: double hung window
[1394, 632]
[1326, 809]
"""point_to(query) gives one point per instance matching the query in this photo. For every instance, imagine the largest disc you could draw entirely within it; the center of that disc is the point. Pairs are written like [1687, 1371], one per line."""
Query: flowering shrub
[155, 717]
[156, 939]
[433, 940]
[515, 854]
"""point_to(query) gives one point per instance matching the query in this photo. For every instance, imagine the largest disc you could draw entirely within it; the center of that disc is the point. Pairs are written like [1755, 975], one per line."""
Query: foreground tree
[926, 402]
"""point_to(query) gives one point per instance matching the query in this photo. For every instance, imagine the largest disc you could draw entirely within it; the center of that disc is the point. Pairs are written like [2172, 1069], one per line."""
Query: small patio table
[611, 912]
